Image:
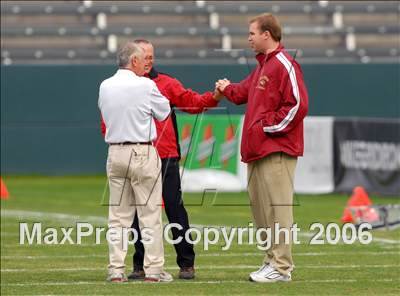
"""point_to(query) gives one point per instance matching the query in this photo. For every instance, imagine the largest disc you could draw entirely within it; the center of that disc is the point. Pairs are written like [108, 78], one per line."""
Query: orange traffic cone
[358, 200]
[347, 216]
[4, 191]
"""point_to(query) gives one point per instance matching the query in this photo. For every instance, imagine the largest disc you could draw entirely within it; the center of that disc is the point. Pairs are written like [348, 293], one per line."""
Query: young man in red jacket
[167, 145]
[272, 139]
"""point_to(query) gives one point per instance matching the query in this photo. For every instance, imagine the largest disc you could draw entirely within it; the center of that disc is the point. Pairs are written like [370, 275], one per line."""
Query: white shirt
[128, 104]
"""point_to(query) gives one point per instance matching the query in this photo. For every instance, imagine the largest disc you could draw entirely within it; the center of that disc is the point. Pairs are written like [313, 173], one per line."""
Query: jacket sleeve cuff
[211, 102]
[226, 91]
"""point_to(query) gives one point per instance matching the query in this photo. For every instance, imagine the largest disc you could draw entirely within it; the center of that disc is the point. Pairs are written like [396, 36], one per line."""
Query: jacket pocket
[256, 137]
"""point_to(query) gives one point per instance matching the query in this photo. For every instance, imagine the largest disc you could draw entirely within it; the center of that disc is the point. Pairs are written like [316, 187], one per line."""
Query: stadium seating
[76, 32]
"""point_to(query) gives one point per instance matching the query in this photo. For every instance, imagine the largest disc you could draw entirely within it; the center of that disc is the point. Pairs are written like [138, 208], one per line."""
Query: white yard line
[386, 241]
[103, 221]
[39, 257]
[205, 267]
[4, 224]
[391, 247]
[183, 282]
[52, 216]
[9, 234]
[16, 244]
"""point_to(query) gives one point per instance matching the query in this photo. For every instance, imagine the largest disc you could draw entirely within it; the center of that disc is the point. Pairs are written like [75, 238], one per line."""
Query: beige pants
[134, 176]
[270, 186]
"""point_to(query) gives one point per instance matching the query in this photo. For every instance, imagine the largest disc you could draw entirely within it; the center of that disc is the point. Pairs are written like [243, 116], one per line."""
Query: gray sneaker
[159, 277]
[117, 278]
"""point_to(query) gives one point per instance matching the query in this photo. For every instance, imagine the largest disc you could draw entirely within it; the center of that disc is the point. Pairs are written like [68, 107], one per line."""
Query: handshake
[219, 88]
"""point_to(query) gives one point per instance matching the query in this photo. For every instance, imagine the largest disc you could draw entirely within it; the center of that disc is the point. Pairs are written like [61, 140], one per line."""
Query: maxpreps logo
[262, 82]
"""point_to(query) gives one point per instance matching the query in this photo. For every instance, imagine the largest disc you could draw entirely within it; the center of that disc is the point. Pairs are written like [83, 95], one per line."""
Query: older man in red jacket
[272, 139]
[167, 145]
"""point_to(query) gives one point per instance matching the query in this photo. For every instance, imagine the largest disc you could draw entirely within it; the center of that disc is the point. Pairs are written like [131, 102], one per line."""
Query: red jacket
[277, 102]
[167, 142]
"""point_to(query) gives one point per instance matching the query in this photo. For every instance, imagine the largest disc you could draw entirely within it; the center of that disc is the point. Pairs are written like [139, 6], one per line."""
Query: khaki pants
[270, 186]
[134, 176]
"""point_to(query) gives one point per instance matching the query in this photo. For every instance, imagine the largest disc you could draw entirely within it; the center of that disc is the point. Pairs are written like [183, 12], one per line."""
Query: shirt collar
[125, 71]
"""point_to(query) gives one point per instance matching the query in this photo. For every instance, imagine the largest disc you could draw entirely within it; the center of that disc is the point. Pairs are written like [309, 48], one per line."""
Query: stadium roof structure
[65, 32]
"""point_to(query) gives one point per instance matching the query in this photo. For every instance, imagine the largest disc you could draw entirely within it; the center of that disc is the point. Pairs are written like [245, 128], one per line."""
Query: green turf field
[340, 269]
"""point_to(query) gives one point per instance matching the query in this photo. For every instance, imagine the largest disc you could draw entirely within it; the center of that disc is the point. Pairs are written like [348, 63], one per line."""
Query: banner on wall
[367, 153]
[210, 152]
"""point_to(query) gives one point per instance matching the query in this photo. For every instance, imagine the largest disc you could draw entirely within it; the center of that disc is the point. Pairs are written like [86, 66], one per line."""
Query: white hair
[127, 51]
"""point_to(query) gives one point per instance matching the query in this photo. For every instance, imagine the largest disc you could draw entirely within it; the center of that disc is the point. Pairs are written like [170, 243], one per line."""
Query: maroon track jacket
[277, 102]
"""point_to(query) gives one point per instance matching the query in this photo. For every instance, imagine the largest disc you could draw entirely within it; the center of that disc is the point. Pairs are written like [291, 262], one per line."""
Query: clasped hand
[220, 87]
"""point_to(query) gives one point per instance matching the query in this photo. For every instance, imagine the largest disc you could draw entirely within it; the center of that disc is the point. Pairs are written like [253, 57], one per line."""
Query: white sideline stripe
[193, 282]
[208, 267]
[102, 220]
[384, 253]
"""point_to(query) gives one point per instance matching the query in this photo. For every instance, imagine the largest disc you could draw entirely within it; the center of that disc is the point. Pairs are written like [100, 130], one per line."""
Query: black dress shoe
[186, 273]
[137, 274]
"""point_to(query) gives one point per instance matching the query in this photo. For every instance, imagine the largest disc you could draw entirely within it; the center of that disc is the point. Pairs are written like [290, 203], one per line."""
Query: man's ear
[267, 35]
[133, 61]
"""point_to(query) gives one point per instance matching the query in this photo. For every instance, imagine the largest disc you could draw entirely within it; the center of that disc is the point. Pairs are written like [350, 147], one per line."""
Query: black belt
[132, 143]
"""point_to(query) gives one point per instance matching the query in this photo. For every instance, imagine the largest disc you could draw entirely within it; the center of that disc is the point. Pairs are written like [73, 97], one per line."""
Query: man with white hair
[167, 145]
[128, 104]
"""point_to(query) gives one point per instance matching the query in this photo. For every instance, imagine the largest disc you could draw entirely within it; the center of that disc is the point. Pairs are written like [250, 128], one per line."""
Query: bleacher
[86, 32]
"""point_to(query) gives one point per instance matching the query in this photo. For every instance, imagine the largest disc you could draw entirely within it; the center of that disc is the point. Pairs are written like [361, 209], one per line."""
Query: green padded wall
[50, 119]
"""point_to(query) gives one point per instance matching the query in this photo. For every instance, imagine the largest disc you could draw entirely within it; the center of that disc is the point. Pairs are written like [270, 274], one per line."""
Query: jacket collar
[153, 74]
[262, 57]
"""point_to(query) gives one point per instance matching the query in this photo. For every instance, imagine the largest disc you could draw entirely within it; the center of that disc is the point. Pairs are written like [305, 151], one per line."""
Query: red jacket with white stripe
[277, 102]
[187, 100]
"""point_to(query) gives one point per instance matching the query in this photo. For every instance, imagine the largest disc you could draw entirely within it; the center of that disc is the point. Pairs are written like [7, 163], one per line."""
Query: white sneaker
[262, 268]
[269, 275]
[159, 277]
[117, 278]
